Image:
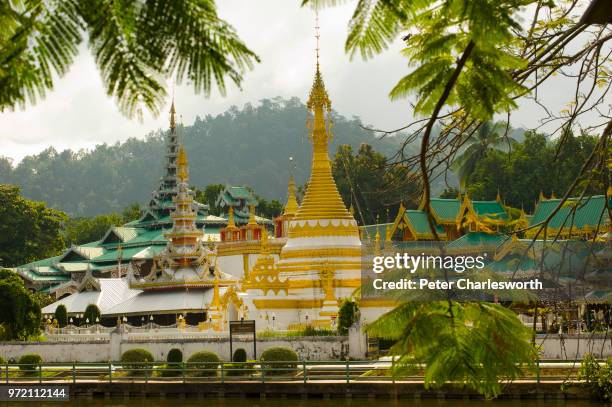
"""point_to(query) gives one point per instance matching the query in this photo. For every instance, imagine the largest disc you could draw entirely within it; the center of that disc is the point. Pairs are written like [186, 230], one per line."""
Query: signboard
[243, 327]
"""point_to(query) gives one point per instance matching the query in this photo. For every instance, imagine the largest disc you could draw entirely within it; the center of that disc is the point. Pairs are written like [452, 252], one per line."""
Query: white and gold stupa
[320, 263]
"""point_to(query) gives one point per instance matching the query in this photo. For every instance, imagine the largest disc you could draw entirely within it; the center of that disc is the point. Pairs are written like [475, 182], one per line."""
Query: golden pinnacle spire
[230, 218]
[322, 200]
[265, 247]
[291, 207]
[252, 220]
[172, 116]
[182, 163]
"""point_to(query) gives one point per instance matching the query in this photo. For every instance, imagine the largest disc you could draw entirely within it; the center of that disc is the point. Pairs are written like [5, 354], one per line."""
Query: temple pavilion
[320, 263]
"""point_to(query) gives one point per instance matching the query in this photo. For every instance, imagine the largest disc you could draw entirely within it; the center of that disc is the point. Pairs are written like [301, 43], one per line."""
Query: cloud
[78, 113]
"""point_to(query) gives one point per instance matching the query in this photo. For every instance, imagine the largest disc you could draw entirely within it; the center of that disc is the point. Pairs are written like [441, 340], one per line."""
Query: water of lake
[249, 402]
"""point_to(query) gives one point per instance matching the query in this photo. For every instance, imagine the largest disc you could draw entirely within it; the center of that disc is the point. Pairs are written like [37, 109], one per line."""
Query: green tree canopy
[530, 167]
[28, 229]
[476, 344]
[488, 136]
[83, 230]
[92, 313]
[61, 315]
[20, 316]
[137, 45]
[370, 185]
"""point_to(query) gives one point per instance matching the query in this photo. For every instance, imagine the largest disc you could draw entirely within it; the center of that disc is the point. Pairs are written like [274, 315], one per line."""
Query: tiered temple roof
[139, 240]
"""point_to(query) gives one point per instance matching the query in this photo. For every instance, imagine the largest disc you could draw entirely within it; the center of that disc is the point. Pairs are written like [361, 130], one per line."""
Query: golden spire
[181, 162]
[498, 197]
[172, 116]
[265, 247]
[291, 207]
[230, 218]
[216, 300]
[541, 197]
[322, 200]
[252, 220]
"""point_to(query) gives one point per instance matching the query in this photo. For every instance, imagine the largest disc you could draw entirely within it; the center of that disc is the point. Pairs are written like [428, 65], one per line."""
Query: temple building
[320, 263]
[453, 218]
[183, 281]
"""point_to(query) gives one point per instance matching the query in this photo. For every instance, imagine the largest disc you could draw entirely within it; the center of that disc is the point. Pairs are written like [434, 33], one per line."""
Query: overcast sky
[78, 114]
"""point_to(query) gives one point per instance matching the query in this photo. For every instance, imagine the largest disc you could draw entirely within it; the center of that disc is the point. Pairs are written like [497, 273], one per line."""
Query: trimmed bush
[92, 312]
[61, 315]
[29, 362]
[279, 361]
[2, 361]
[137, 361]
[240, 355]
[174, 356]
[203, 364]
[173, 367]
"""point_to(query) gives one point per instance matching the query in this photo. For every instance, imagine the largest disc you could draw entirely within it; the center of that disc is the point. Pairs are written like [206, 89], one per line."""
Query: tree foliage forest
[249, 146]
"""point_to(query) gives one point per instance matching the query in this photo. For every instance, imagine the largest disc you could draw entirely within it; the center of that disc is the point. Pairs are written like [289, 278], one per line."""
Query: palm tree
[490, 135]
[137, 46]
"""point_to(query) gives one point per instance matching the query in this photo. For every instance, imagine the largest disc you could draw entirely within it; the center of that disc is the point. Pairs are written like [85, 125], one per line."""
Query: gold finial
[172, 116]
[292, 206]
[230, 218]
[317, 34]
[318, 95]
[552, 195]
[216, 300]
[252, 220]
[498, 197]
[377, 242]
[321, 200]
[541, 197]
[609, 191]
[182, 164]
[265, 248]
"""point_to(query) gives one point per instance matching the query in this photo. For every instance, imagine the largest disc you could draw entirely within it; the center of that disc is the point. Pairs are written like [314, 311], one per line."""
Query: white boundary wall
[308, 348]
[566, 347]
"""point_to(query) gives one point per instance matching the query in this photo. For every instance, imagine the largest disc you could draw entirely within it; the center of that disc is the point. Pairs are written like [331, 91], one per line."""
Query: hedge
[203, 364]
[240, 355]
[28, 363]
[137, 361]
[279, 360]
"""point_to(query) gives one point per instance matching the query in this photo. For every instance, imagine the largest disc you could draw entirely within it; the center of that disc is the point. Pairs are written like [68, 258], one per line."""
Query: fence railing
[255, 371]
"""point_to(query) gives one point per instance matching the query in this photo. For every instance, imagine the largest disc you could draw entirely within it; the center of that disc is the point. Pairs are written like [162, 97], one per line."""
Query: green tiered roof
[491, 209]
[143, 238]
[240, 198]
[590, 213]
[420, 223]
[445, 210]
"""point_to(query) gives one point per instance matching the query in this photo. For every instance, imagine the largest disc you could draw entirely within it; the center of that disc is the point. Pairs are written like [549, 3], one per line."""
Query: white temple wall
[566, 347]
[231, 265]
[309, 348]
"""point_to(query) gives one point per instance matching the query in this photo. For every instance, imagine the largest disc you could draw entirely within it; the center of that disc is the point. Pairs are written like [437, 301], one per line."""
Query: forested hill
[248, 146]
